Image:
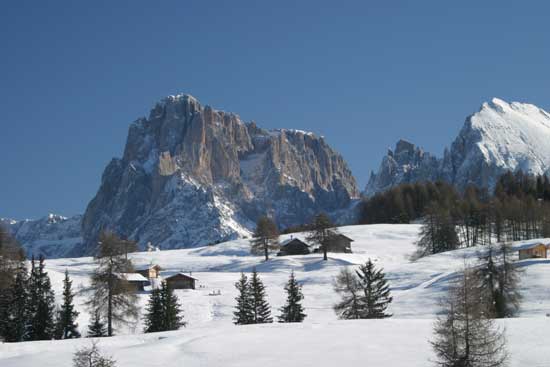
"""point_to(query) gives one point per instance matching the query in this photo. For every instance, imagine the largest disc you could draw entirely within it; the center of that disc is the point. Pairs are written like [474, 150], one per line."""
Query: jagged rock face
[191, 175]
[499, 137]
[51, 236]
[407, 163]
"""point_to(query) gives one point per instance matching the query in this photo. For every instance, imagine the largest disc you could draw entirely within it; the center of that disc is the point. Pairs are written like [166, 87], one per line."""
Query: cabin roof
[170, 274]
[344, 236]
[531, 245]
[289, 240]
[132, 277]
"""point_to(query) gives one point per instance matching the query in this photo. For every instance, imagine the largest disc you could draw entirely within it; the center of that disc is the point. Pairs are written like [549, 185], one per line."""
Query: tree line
[517, 209]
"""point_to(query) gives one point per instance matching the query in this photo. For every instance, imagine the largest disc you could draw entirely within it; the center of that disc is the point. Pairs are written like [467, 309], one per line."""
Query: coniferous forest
[517, 209]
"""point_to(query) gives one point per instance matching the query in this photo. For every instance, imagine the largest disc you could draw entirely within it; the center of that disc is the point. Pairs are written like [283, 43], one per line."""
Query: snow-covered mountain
[192, 175]
[499, 137]
[51, 236]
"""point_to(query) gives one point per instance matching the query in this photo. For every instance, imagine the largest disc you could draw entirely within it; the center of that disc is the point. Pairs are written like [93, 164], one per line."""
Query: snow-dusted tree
[348, 287]
[172, 317]
[91, 357]
[376, 292]
[41, 306]
[97, 327]
[266, 237]
[465, 336]
[293, 311]
[243, 314]
[321, 233]
[154, 312]
[110, 292]
[66, 326]
[261, 310]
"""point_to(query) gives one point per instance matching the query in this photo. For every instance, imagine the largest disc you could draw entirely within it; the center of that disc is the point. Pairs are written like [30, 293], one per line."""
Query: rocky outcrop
[192, 175]
[499, 137]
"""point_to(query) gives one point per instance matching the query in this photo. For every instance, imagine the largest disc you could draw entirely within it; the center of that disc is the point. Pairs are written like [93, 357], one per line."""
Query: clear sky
[75, 74]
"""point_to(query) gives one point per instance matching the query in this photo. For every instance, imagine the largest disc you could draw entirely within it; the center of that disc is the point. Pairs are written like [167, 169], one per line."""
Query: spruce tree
[66, 327]
[41, 325]
[376, 292]
[154, 312]
[347, 286]
[16, 322]
[243, 314]
[261, 310]
[292, 311]
[97, 327]
[172, 318]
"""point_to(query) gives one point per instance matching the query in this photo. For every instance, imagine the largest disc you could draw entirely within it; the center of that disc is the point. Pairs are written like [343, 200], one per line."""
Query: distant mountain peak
[501, 136]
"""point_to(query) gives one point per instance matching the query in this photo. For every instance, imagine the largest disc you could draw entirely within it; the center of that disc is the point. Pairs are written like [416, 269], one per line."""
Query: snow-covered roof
[133, 277]
[288, 240]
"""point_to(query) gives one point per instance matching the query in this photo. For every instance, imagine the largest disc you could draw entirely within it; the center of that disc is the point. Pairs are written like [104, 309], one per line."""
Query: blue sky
[74, 75]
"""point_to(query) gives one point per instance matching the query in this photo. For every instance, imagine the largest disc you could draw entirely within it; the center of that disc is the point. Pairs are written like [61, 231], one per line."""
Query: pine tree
[41, 324]
[109, 290]
[173, 319]
[376, 292]
[261, 310]
[66, 327]
[293, 311]
[347, 286]
[266, 237]
[97, 327]
[243, 314]
[465, 335]
[16, 322]
[154, 312]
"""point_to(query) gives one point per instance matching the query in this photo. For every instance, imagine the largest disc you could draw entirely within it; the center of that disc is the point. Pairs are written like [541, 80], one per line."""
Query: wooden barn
[537, 250]
[340, 243]
[151, 271]
[136, 282]
[293, 246]
[180, 281]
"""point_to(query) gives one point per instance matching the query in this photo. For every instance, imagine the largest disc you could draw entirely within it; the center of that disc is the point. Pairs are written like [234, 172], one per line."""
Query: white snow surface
[210, 338]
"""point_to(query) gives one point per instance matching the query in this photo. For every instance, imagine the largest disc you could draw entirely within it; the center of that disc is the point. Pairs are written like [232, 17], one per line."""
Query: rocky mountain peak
[501, 136]
[191, 175]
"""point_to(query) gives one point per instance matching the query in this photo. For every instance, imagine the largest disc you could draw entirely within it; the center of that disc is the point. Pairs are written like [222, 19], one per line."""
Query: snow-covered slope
[210, 339]
[499, 137]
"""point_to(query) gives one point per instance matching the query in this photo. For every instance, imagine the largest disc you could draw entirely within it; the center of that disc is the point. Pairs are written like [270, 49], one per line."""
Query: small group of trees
[252, 305]
[163, 311]
[27, 308]
[266, 236]
[365, 293]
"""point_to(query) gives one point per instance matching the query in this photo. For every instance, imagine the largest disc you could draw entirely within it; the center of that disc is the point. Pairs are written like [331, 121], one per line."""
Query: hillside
[211, 338]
